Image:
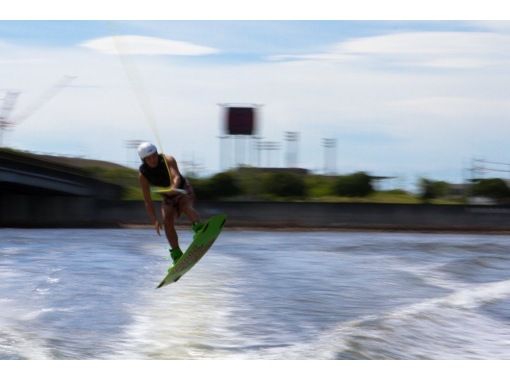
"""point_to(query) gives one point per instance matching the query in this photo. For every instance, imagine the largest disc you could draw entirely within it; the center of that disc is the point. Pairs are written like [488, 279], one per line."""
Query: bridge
[37, 191]
[22, 173]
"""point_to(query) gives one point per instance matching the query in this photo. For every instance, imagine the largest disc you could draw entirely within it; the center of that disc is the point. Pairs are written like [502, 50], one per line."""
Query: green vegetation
[439, 192]
[353, 185]
[433, 189]
[393, 196]
[493, 188]
[248, 183]
[221, 185]
[284, 185]
[319, 186]
[122, 176]
[281, 185]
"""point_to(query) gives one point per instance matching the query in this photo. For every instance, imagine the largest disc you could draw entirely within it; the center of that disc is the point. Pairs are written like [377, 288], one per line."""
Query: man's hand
[158, 226]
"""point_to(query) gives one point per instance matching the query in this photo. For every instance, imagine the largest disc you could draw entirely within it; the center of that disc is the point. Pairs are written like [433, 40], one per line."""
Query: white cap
[146, 149]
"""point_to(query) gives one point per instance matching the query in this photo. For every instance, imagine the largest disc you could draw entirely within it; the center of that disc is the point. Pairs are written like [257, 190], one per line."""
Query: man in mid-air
[162, 171]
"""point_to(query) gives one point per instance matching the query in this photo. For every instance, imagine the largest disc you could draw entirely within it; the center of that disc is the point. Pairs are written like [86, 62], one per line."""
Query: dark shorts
[178, 201]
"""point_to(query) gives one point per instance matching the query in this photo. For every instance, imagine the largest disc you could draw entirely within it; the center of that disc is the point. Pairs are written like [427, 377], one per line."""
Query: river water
[90, 294]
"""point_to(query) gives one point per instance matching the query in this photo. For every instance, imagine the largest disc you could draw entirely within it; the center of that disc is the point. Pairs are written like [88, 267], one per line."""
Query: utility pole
[257, 140]
[329, 155]
[224, 164]
[292, 139]
[268, 147]
[131, 145]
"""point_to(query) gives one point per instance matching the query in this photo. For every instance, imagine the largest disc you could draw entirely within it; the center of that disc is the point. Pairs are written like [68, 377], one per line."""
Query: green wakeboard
[196, 250]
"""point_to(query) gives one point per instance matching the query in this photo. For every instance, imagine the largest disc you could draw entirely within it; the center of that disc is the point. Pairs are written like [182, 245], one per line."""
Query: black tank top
[158, 176]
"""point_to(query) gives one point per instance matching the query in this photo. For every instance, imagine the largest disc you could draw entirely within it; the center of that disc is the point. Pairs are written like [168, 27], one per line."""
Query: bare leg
[187, 208]
[168, 218]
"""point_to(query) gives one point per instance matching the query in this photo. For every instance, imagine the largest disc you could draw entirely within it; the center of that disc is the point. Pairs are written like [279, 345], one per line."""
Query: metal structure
[239, 134]
[268, 147]
[131, 146]
[292, 140]
[329, 155]
[9, 103]
[240, 120]
[480, 167]
[191, 166]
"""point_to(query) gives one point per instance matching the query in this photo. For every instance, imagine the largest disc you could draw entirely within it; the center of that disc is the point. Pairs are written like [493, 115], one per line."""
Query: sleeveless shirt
[159, 176]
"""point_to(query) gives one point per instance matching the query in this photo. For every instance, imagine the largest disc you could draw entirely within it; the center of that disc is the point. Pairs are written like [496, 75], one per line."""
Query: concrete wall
[65, 211]
[363, 216]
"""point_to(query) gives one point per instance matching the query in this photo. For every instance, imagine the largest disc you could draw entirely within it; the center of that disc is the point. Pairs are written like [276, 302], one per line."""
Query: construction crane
[9, 102]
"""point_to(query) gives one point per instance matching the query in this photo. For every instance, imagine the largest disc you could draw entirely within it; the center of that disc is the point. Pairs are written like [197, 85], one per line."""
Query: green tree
[224, 185]
[494, 188]
[433, 189]
[353, 185]
[319, 186]
[221, 185]
[201, 188]
[284, 185]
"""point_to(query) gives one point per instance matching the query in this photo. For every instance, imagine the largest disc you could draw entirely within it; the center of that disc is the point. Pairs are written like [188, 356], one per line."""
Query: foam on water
[185, 320]
[254, 295]
[16, 340]
[449, 327]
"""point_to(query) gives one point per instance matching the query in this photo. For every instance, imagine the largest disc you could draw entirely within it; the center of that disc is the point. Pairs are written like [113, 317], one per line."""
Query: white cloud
[493, 26]
[142, 45]
[451, 106]
[426, 43]
[421, 49]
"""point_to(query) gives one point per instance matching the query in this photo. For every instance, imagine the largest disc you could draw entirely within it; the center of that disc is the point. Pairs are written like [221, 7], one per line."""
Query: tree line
[291, 186]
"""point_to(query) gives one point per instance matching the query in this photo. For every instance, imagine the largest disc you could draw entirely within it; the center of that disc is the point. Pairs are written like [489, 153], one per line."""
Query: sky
[407, 99]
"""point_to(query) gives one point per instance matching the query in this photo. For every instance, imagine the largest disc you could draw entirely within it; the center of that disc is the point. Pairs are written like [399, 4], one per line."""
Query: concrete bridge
[26, 174]
[35, 191]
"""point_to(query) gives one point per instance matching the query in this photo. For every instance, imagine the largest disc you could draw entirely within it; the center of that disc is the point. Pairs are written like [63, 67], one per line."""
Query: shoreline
[80, 212]
[184, 227]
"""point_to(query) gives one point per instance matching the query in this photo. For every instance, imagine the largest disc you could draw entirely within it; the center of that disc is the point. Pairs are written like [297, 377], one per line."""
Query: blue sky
[256, 38]
[402, 98]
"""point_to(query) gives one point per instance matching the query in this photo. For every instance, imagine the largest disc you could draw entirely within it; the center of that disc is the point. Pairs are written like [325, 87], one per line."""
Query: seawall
[68, 211]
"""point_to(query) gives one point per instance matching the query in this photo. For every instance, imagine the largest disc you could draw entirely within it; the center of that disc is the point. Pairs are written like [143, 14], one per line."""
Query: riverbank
[64, 211]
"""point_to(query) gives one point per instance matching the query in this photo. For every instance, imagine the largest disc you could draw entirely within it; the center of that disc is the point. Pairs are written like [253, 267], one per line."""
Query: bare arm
[149, 206]
[175, 177]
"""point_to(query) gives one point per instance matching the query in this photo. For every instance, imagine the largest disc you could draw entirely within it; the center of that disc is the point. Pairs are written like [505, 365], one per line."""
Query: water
[90, 294]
